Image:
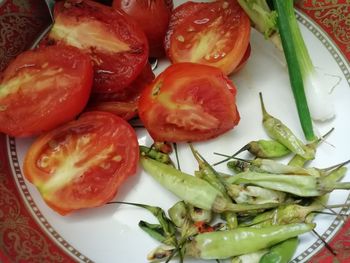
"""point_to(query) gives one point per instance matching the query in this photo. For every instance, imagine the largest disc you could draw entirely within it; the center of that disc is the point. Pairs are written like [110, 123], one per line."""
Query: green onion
[310, 94]
[263, 19]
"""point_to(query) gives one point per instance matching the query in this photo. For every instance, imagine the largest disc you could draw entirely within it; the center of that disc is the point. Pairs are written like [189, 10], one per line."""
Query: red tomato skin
[120, 51]
[188, 102]
[153, 17]
[93, 181]
[215, 34]
[50, 89]
[244, 60]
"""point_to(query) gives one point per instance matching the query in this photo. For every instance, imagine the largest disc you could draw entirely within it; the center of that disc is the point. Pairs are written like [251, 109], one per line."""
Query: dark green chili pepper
[166, 224]
[281, 133]
[225, 244]
[282, 252]
[154, 230]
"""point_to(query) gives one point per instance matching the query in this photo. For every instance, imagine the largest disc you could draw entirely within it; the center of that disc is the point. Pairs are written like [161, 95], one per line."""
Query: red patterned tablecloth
[21, 21]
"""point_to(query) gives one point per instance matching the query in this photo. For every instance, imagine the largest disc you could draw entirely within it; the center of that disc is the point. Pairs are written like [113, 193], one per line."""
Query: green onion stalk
[312, 98]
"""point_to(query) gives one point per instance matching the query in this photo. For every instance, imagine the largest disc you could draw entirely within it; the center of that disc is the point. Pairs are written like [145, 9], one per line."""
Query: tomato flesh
[82, 163]
[123, 103]
[188, 102]
[217, 34]
[178, 15]
[42, 89]
[115, 44]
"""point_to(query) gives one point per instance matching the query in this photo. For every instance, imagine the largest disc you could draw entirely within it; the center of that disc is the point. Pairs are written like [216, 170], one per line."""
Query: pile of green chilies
[256, 214]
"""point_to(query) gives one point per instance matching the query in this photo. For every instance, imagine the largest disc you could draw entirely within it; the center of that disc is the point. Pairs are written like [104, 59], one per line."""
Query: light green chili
[225, 244]
[194, 190]
[281, 133]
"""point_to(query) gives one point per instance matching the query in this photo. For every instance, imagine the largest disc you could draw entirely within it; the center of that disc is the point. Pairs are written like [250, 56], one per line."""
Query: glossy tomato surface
[116, 44]
[215, 34]
[153, 17]
[188, 102]
[82, 163]
[42, 89]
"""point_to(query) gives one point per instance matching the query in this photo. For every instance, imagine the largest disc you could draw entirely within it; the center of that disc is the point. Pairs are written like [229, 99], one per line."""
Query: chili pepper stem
[244, 148]
[337, 166]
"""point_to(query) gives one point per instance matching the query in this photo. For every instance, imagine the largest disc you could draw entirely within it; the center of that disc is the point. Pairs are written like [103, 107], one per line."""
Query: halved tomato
[82, 163]
[42, 89]
[215, 34]
[152, 16]
[116, 44]
[178, 15]
[123, 103]
[188, 102]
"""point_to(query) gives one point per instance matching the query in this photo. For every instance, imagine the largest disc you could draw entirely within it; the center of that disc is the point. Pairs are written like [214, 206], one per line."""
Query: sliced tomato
[123, 103]
[116, 44]
[83, 163]
[42, 89]
[153, 17]
[178, 15]
[188, 102]
[217, 34]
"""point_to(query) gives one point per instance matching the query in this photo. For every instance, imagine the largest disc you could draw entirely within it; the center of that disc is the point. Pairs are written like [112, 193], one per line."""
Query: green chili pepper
[155, 154]
[209, 174]
[255, 195]
[269, 166]
[154, 230]
[178, 214]
[300, 185]
[261, 149]
[199, 215]
[298, 160]
[282, 252]
[268, 149]
[225, 244]
[162, 252]
[281, 133]
[253, 257]
[335, 175]
[194, 190]
[239, 166]
[231, 220]
[166, 224]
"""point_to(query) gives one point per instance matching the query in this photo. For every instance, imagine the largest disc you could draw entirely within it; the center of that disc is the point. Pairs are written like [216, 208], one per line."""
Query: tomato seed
[180, 38]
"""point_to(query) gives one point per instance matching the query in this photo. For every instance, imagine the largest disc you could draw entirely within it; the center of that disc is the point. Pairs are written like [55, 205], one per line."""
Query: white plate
[111, 234]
